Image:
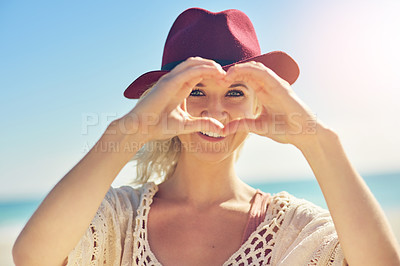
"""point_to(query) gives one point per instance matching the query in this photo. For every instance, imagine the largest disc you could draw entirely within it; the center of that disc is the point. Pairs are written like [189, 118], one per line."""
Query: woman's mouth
[210, 136]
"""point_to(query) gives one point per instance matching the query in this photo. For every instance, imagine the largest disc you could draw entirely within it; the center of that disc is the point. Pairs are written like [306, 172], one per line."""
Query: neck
[202, 183]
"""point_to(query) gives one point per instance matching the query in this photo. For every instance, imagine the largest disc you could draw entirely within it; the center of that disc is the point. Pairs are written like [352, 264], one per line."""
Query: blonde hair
[156, 161]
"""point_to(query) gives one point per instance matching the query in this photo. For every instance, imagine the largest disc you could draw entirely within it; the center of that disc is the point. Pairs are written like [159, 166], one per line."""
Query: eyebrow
[201, 85]
[238, 85]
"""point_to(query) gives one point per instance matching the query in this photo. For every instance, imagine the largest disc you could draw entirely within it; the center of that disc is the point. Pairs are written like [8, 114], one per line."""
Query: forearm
[65, 214]
[363, 230]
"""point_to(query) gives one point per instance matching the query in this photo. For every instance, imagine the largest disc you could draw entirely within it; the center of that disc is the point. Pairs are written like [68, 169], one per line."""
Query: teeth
[211, 134]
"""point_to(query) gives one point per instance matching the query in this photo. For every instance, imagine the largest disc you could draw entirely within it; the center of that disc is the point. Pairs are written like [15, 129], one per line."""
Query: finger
[270, 89]
[183, 83]
[193, 61]
[258, 70]
[209, 124]
[239, 125]
[251, 75]
[262, 79]
[183, 106]
[257, 125]
[172, 89]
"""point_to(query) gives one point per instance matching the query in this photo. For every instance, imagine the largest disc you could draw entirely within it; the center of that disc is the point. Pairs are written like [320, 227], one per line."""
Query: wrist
[322, 137]
[120, 139]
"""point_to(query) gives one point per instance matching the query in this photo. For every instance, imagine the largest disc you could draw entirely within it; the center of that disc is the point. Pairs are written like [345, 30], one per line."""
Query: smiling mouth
[211, 134]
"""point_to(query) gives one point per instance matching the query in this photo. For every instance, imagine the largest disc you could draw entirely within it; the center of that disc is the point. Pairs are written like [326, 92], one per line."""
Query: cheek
[195, 108]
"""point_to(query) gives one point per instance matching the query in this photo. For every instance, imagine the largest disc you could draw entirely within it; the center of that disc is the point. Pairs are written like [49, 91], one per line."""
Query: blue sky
[62, 62]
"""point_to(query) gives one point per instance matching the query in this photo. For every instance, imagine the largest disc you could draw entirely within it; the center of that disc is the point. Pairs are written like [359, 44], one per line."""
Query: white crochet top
[294, 232]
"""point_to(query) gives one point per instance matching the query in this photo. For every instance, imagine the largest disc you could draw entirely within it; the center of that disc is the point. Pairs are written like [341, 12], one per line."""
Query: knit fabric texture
[294, 232]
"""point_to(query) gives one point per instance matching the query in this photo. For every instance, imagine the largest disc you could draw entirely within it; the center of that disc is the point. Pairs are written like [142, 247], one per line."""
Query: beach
[8, 235]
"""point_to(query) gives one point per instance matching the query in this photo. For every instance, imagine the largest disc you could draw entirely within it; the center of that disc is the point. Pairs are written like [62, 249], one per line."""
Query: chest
[178, 236]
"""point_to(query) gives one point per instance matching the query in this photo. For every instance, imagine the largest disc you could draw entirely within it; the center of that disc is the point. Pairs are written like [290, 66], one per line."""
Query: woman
[186, 131]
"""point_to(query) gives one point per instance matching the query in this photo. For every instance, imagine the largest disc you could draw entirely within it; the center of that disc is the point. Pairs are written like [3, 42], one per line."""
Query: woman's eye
[235, 93]
[196, 92]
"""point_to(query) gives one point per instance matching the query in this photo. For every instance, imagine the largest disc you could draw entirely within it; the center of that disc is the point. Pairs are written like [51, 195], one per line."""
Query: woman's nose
[216, 110]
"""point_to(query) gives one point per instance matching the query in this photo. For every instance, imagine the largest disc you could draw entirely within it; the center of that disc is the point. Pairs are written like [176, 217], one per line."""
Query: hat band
[170, 66]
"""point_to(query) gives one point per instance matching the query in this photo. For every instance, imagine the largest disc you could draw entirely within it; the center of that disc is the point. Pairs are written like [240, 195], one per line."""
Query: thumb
[257, 126]
[195, 124]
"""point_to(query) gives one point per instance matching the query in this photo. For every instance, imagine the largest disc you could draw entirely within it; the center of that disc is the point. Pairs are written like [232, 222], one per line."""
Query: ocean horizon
[15, 213]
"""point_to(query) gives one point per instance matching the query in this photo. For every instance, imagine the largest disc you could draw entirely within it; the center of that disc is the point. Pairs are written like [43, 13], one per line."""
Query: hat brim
[279, 62]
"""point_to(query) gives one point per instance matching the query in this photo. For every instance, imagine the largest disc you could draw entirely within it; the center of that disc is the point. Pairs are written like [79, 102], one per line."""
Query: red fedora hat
[227, 37]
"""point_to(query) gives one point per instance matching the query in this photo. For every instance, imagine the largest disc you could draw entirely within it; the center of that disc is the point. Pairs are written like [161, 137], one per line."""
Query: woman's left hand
[358, 218]
[283, 117]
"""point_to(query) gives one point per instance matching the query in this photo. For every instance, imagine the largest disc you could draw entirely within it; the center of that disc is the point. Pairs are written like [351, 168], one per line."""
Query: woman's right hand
[161, 113]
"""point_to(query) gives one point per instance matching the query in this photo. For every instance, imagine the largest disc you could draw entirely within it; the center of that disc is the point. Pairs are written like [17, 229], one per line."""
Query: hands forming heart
[284, 117]
[162, 113]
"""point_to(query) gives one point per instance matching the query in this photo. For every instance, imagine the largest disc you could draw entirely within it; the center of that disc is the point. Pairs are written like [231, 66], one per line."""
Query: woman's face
[209, 99]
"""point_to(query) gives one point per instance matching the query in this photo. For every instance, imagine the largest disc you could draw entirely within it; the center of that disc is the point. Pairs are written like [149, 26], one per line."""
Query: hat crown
[226, 36]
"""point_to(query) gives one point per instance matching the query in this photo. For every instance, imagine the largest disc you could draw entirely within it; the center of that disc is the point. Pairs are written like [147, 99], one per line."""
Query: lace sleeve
[328, 253]
[108, 233]
[308, 237]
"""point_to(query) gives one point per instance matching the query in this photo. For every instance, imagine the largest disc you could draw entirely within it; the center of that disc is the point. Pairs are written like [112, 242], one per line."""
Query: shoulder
[306, 231]
[126, 197]
[294, 214]
[295, 208]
